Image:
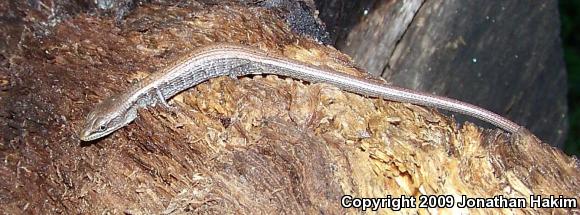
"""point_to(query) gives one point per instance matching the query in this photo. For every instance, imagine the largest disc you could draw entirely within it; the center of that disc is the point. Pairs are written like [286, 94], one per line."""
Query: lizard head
[106, 118]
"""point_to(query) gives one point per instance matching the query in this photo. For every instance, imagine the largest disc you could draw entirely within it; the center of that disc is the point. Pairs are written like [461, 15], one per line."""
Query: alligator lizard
[235, 60]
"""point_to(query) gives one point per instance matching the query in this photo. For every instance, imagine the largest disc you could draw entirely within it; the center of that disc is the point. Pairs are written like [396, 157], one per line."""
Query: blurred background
[570, 15]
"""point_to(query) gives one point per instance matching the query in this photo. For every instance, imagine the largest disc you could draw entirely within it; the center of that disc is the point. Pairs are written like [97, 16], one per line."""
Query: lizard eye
[102, 128]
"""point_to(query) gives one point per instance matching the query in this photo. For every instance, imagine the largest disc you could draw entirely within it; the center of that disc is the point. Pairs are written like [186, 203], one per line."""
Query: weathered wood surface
[260, 144]
[504, 56]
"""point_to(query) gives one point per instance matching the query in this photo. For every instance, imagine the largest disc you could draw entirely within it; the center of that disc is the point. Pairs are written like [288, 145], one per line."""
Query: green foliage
[570, 16]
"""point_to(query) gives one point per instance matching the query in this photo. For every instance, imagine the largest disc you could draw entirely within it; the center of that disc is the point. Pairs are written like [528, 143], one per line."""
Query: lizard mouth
[86, 135]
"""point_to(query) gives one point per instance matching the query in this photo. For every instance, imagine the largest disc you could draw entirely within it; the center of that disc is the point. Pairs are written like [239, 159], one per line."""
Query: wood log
[258, 144]
[503, 56]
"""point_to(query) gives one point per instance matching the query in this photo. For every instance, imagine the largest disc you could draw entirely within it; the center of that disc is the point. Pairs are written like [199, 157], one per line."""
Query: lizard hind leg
[161, 99]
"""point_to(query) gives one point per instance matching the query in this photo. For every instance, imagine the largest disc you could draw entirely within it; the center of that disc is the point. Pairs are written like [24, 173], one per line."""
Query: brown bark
[261, 144]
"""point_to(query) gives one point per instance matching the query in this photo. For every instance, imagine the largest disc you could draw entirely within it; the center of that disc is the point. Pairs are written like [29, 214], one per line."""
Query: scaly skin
[235, 60]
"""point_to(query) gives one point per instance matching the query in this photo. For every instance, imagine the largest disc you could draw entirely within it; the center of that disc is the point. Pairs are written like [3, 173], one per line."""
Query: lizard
[232, 60]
